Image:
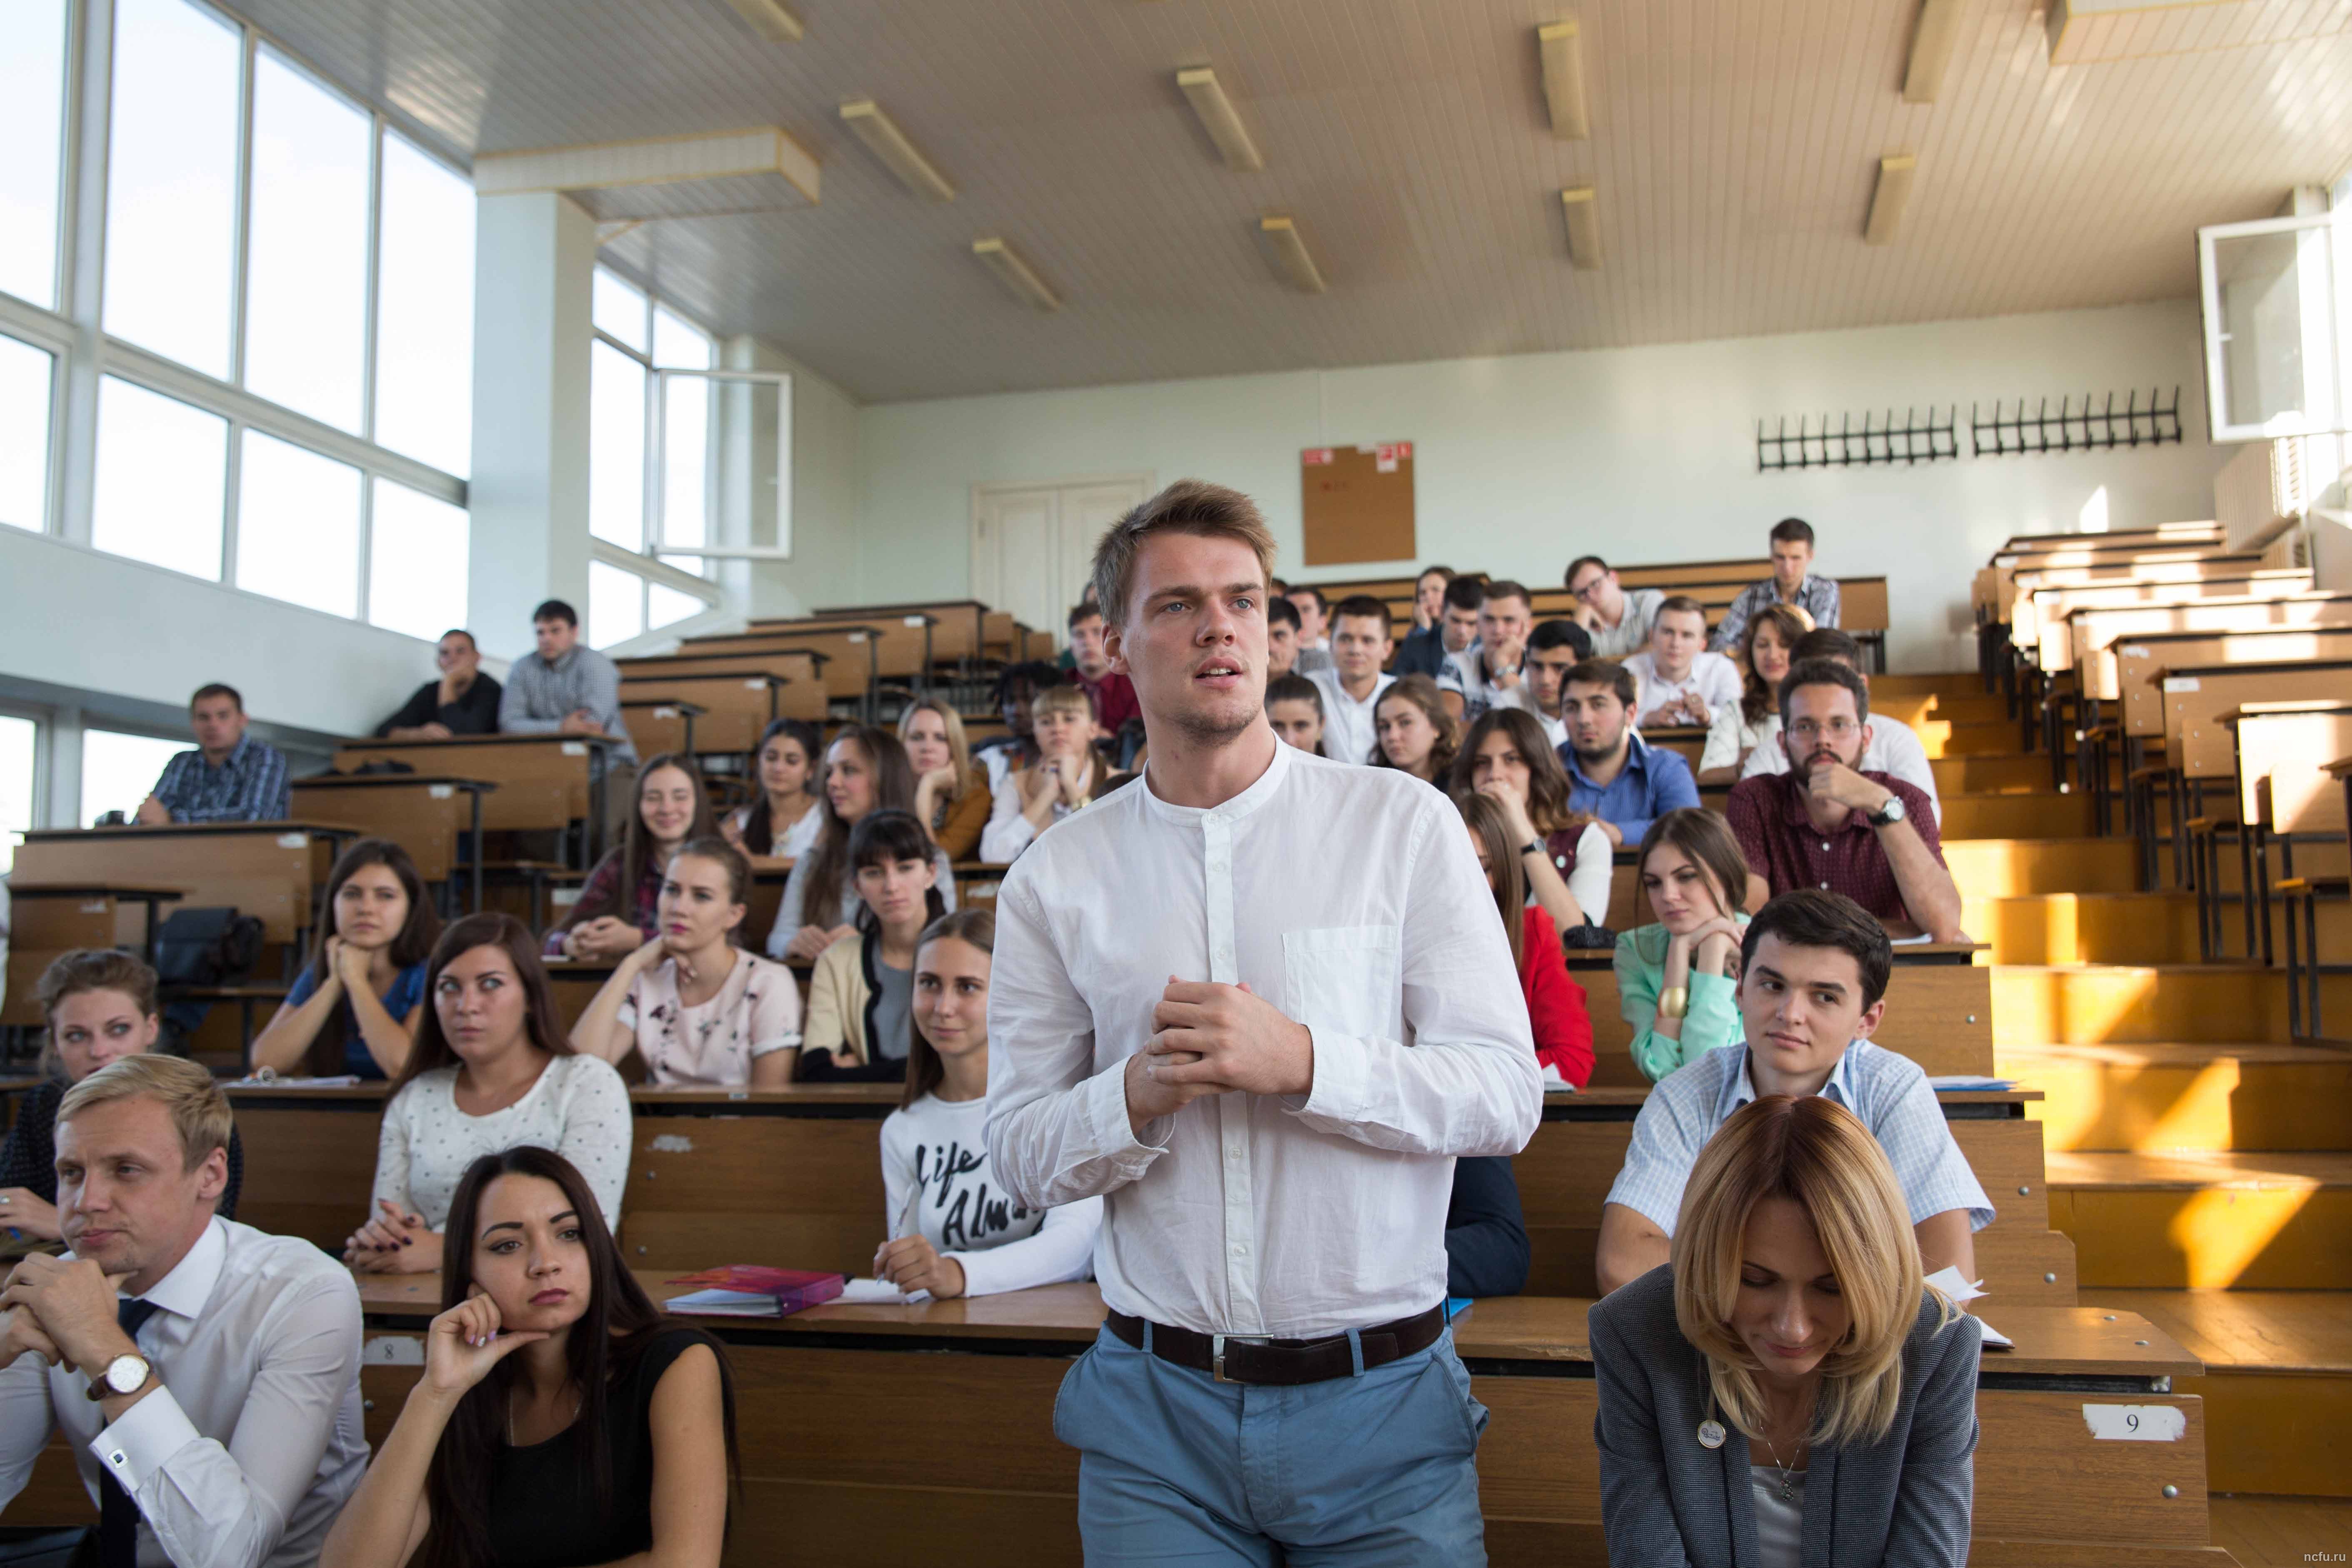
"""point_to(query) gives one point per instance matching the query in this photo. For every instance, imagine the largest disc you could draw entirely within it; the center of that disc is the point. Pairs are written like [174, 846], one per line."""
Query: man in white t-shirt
[1894, 745]
[1680, 681]
[1361, 642]
[1619, 619]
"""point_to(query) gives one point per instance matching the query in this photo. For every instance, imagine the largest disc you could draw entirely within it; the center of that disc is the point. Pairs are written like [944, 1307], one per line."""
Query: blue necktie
[117, 1515]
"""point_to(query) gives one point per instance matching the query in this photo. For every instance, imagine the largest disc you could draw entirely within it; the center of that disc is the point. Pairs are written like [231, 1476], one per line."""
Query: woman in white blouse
[697, 1008]
[492, 1069]
[1067, 775]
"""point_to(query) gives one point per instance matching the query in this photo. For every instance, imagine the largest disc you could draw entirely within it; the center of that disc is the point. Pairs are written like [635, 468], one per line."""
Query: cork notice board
[1356, 503]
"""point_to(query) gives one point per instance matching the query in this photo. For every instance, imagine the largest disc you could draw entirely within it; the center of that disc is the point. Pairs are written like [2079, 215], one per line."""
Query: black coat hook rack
[1846, 447]
[2094, 427]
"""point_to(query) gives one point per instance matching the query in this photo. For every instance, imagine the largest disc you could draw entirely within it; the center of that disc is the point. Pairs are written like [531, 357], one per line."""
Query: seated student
[1017, 686]
[1742, 728]
[1678, 682]
[1829, 823]
[1111, 694]
[782, 821]
[1619, 618]
[615, 914]
[1314, 627]
[229, 777]
[1351, 687]
[1423, 651]
[1790, 1362]
[464, 702]
[1675, 978]
[1555, 1010]
[1294, 706]
[695, 1007]
[100, 1003]
[204, 1376]
[492, 1067]
[954, 1231]
[1066, 776]
[1554, 647]
[865, 770]
[353, 1009]
[863, 990]
[1281, 638]
[1813, 988]
[1894, 746]
[1415, 733]
[1791, 583]
[1566, 855]
[561, 1420]
[563, 688]
[952, 796]
[1486, 1251]
[1487, 673]
[1613, 774]
[1456, 629]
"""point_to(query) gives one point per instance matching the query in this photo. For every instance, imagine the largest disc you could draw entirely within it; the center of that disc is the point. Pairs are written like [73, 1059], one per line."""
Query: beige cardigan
[839, 999]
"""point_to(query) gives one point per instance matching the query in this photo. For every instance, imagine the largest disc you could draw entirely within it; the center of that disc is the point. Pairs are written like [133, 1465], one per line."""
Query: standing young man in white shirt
[1360, 644]
[213, 1406]
[1679, 682]
[1269, 1077]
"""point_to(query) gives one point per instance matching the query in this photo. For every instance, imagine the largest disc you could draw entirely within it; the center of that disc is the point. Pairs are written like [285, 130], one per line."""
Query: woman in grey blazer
[1787, 1393]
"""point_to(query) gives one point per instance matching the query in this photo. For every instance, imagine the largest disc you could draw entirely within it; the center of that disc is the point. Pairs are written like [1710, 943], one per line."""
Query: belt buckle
[1217, 1353]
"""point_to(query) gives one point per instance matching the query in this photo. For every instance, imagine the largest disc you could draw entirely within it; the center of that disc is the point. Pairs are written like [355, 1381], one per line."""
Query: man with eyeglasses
[1618, 619]
[1895, 747]
[1830, 823]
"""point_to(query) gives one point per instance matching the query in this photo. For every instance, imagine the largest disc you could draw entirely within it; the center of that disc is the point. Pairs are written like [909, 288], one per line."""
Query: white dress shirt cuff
[1109, 1129]
[144, 1439]
[1342, 1084]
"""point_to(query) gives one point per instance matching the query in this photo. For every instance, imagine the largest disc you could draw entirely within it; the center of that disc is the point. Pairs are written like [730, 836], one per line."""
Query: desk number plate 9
[2136, 1423]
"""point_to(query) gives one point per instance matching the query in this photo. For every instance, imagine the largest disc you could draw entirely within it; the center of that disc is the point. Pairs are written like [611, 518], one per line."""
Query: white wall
[1639, 454]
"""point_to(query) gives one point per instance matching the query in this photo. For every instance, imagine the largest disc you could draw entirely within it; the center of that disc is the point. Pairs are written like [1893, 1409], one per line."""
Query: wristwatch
[1533, 847]
[123, 1375]
[1888, 815]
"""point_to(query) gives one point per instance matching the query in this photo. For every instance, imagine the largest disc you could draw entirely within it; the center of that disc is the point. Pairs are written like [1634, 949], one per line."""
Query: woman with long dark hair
[353, 1009]
[1565, 853]
[618, 907]
[865, 770]
[862, 992]
[492, 1067]
[561, 1420]
[782, 821]
[1767, 647]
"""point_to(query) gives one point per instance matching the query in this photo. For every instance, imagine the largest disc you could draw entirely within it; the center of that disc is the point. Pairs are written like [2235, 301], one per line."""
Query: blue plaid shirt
[249, 787]
[1888, 1092]
[1817, 596]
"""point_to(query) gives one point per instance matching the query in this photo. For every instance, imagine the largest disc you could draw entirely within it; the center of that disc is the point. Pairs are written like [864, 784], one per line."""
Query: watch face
[125, 1374]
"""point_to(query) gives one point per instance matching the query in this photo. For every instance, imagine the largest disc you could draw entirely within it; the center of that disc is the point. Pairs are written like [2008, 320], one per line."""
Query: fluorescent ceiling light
[888, 142]
[1893, 195]
[772, 19]
[1931, 49]
[1562, 47]
[1583, 227]
[1215, 112]
[1015, 273]
[1286, 247]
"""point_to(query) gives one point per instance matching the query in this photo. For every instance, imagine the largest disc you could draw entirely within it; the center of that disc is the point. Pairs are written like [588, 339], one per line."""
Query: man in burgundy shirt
[1112, 694]
[1824, 824]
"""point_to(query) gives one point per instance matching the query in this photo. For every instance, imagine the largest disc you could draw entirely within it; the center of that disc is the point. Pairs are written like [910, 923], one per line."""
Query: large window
[162, 467]
[306, 284]
[424, 313]
[33, 55]
[26, 376]
[416, 562]
[119, 770]
[298, 525]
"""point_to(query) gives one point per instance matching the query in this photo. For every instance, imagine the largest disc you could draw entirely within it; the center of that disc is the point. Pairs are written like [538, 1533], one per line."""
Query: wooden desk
[996, 634]
[806, 692]
[2145, 665]
[864, 652]
[2198, 697]
[664, 728]
[736, 705]
[545, 783]
[2045, 635]
[267, 869]
[2090, 635]
[434, 819]
[47, 922]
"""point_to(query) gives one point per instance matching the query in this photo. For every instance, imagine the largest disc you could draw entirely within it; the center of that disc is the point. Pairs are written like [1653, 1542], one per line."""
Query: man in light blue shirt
[1813, 987]
[1613, 774]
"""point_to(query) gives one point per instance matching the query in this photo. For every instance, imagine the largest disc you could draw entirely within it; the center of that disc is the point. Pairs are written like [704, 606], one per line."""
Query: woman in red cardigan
[1563, 1030]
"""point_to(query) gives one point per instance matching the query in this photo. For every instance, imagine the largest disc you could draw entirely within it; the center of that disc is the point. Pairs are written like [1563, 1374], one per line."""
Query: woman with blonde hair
[1067, 776]
[952, 796]
[1788, 1392]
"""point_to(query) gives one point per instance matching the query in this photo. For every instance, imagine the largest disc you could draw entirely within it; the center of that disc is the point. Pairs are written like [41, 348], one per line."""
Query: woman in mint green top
[1688, 860]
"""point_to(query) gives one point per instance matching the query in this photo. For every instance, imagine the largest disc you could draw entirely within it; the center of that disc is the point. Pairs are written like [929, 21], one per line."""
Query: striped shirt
[249, 786]
[1817, 596]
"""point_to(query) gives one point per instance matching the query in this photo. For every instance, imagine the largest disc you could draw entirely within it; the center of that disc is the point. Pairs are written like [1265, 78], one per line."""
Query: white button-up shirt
[1349, 730]
[249, 1450]
[1714, 677]
[1347, 897]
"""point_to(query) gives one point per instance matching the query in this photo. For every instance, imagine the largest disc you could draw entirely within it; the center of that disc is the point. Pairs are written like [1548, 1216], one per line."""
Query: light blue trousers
[1176, 1468]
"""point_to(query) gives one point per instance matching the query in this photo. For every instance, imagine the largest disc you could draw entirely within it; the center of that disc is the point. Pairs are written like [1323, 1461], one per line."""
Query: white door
[1032, 545]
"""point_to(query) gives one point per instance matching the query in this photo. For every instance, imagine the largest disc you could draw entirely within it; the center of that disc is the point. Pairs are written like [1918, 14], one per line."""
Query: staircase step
[2085, 928]
[2146, 1098]
[2205, 1218]
[2008, 867]
[2116, 1003]
[1988, 815]
[2278, 1385]
[1957, 683]
[1967, 739]
[1988, 770]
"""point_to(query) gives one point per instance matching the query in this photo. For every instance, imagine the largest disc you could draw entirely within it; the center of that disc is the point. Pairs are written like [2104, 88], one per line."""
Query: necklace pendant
[1788, 1492]
[1710, 1434]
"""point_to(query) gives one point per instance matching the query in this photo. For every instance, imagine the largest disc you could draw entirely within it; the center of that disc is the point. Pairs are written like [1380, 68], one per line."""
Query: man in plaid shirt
[1792, 582]
[230, 777]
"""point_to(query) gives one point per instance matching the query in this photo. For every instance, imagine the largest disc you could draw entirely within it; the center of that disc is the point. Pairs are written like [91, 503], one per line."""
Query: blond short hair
[1062, 699]
[1188, 505]
[1818, 1154]
[199, 1110]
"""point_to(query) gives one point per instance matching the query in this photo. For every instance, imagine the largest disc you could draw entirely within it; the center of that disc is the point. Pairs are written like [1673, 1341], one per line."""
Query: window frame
[2336, 299]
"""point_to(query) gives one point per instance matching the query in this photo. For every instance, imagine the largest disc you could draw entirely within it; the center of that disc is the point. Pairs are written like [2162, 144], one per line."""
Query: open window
[2273, 291]
[722, 449]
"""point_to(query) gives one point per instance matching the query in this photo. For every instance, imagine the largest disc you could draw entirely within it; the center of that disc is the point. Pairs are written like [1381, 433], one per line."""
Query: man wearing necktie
[205, 1374]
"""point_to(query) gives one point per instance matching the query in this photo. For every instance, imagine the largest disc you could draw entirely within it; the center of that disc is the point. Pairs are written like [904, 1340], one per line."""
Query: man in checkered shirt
[1813, 987]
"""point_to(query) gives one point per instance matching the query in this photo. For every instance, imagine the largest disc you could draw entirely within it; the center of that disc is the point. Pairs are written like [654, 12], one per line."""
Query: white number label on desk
[2136, 1423]
[293, 840]
[440, 791]
[576, 749]
[393, 1350]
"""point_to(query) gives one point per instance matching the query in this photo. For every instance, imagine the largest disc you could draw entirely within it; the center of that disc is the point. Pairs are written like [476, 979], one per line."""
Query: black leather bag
[208, 947]
[1587, 936]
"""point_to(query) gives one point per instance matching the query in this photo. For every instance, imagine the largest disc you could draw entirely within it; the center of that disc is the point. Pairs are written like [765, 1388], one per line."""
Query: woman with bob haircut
[1678, 978]
[561, 1419]
[354, 1007]
[1788, 1392]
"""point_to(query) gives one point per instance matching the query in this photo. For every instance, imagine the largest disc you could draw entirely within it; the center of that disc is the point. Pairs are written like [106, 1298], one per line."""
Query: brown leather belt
[1282, 1362]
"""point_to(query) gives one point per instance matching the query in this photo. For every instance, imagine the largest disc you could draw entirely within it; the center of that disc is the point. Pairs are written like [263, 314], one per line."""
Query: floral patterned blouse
[758, 1010]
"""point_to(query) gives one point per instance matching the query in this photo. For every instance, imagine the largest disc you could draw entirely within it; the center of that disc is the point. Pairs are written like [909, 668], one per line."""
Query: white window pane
[32, 127]
[27, 374]
[119, 771]
[617, 447]
[425, 311]
[17, 737]
[685, 464]
[298, 526]
[170, 200]
[679, 345]
[616, 604]
[416, 561]
[664, 604]
[163, 471]
[617, 306]
[306, 289]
